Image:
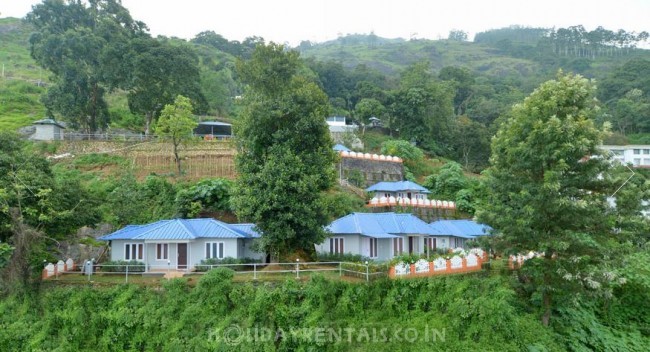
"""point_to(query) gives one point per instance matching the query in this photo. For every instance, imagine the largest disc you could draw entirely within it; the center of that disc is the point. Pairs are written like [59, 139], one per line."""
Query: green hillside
[515, 59]
[19, 84]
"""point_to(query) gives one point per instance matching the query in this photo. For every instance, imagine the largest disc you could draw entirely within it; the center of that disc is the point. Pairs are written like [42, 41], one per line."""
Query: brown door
[410, 245]
[182, 256]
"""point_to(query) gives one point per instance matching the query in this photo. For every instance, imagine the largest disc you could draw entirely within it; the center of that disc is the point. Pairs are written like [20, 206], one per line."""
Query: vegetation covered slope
[19, 84]
[221, 315]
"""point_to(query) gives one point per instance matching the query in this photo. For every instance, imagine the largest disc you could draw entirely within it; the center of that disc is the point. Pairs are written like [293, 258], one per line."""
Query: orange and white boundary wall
[368, 156]
[60, 267]
[460, 262]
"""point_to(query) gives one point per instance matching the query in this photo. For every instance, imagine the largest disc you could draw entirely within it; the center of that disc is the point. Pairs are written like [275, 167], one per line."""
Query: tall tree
[547, 187]
[177, 123]
[37, 210]
[422, 109]
[284, 155]
[84, 47]
[162, 70]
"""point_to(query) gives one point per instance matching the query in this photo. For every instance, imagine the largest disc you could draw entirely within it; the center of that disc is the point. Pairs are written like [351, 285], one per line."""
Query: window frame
[373, 247]
[398, 243]
[215, 250]
[164, 251]
[337, 245]
[133, 251]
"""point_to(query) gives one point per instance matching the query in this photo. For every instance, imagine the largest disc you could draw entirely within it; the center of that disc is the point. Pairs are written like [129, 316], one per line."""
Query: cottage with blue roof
[182, 243]
[399, 189]
[380, 236]
[454, 233]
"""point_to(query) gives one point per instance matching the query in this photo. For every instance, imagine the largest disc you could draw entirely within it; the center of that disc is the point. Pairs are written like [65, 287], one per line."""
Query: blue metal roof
[182, 229]
[380, 225]
[460, 228]
[398, 186]
[246, 229]
[341, 148]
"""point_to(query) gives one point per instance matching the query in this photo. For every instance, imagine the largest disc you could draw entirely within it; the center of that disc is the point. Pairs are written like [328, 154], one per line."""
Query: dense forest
[508, 126]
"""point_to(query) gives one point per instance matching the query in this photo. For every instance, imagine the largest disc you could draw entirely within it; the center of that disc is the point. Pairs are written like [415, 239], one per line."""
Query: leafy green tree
[471, 143]
[367, 108]
[543, 195]
[462, 80]
[5, 254]
[457, 35]
[162, 70]
[84, 47]
[447, 181]
[37, 210]
[422, 109]
[177, 123]
[131, 202]
[284, 154]
[207, 196]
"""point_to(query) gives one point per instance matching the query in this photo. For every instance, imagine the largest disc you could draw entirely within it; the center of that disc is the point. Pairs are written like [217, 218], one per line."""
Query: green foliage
[543, 196]
[338, 203]
[285, 156]
[98, 160]
[37, 209]
[5, 253]
[177, 123]
[161, 71]
[209, 195]
[19, 104]
[130, 202]
[356, 178]
[179, 317]
[447, 181]
[119, 266]
[403, 149]
[422, 109]
[206, 264]
[82, 47]
[341, 257]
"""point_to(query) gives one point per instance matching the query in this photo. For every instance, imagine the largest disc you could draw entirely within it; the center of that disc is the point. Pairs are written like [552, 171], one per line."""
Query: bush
[205, 264]
[347, 257]
[119, 266]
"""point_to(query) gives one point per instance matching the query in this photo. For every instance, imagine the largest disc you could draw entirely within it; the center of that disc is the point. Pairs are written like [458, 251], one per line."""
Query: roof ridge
[181, 221]
[162, 223]
[226, 226]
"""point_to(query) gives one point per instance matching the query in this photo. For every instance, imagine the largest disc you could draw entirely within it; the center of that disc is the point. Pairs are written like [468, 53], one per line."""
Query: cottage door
[411, 244]
[182, 256]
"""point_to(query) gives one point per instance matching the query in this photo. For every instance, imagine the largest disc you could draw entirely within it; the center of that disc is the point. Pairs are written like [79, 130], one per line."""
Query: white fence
[256, 271]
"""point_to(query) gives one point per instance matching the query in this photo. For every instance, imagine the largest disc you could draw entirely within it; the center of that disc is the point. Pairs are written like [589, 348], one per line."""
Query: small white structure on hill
[47, 130]
[343, 133]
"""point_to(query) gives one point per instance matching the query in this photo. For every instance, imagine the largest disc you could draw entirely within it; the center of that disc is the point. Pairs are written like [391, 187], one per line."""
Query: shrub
[205, 264]
[119, 266]
[346, 257]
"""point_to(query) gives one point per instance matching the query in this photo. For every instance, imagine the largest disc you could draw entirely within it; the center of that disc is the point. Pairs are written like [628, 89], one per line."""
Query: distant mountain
[513, 51]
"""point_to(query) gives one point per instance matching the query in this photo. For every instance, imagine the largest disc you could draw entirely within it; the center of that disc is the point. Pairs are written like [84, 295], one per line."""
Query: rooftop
[183, 229]
[380, 225]
[460, 228]
[397, 186]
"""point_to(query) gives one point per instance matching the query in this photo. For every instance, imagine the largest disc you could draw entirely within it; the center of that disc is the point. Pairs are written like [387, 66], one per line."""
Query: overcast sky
[320, 20]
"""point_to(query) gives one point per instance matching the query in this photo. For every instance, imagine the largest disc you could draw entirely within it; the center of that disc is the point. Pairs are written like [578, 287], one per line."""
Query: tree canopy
[285, 154]
[547, 188]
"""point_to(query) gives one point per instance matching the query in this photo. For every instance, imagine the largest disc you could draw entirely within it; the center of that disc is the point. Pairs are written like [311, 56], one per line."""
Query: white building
[636, 155]
[47, 130]
[343, 133]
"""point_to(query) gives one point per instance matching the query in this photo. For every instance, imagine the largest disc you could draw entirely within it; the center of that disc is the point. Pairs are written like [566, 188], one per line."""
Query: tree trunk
[147, 123]
[546, 302]
[176, 156]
